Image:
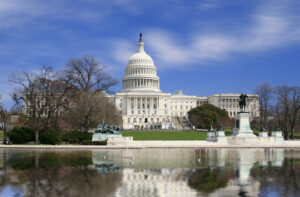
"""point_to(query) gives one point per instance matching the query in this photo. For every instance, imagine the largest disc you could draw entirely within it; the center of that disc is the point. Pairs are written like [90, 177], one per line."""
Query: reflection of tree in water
[209, 180]
[59, 174]
[286, 178]
[71, 182]
[48, 159]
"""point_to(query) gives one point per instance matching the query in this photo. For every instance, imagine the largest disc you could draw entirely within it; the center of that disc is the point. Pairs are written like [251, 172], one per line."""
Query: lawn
[165, 135]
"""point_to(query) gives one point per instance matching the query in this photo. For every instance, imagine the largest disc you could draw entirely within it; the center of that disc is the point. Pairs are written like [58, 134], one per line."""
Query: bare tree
[4, 118]
[41, 95]
[89, 109]
[28, 94]
[90, 80]
[265, 92]
[56, 96]
[86, 74]
[287, 108]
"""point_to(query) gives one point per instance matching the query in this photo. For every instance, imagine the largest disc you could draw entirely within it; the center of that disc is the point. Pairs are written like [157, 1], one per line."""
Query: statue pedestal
[211, 136]
[242, 126]
[263, 134]
[278, 137]
[104, 136]
[220, 137]
[119, 140]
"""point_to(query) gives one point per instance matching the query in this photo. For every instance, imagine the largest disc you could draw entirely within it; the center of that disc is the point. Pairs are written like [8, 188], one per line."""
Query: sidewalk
[158, 144]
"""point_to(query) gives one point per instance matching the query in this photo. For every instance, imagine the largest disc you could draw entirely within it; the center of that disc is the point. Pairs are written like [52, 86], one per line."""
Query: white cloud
[209, 4]
[19, 12]
[165, 47]
[122, 50]
[272, 26]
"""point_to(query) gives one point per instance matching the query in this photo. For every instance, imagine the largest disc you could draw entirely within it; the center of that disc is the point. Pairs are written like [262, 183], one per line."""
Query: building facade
[145, 106]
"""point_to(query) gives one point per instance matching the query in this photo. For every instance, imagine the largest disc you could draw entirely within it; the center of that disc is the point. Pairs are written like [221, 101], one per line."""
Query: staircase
[185, 123]
[176, 123]
[181, 123]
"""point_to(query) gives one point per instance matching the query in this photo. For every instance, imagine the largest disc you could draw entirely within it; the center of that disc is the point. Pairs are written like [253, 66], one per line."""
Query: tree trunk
[292, 135]
[4, 133]
[36, 132]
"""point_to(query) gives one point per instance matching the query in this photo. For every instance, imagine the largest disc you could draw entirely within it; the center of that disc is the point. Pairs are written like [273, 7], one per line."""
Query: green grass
[297, 134]
[1, 134]
[165, 135]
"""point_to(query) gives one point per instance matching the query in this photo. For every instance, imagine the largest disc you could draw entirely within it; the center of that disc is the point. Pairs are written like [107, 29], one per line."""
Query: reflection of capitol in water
[154, 182]
[186, 172]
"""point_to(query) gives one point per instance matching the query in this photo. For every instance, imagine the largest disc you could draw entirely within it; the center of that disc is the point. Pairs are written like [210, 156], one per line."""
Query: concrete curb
[157, 144]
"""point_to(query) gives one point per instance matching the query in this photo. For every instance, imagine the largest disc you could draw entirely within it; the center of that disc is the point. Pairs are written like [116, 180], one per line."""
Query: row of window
[143, 99]
[147, 120]
[201, 103]
[141, 71]
[181, 107]
[143, 106]
[139, 61]
[182, 102]
[144, 112]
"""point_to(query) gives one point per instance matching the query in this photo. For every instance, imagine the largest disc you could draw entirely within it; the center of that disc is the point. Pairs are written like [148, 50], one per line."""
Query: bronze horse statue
[242, 101]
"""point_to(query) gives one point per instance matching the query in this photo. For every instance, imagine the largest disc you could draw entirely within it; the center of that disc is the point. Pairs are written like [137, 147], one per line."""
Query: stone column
[151, 106]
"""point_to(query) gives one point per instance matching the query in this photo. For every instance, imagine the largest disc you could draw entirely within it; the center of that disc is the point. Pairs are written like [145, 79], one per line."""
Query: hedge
[21, 135]
[90, 142]
[76, 137]
[49, 137]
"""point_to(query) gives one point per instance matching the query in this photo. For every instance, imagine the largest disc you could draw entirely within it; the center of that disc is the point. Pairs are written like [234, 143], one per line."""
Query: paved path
[158, 144]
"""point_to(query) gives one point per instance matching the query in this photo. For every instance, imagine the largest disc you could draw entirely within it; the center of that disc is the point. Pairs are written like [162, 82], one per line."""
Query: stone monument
[263, 132]
[111, 134]
[242, 120]
[277, 134]
[242, 125]
[220, 136]
[211, 136]
[242, 134]
[104, 131]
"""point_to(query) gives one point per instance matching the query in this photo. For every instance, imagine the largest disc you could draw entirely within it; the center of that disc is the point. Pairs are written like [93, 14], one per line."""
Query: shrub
[205, 115]
[76, 137]
[21, 135]
[49, 137]
[90, 142]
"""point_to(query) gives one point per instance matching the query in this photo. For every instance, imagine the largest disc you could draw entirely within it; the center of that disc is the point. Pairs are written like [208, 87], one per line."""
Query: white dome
[140, 58]
[140, 73]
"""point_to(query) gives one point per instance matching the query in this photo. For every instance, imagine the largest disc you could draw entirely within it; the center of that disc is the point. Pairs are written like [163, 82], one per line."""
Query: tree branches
[86, 74]
[4, 118]
[46, 95]
[282, 103]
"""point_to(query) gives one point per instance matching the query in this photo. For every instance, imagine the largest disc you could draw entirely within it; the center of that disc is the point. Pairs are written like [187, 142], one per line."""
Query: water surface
[150, 172]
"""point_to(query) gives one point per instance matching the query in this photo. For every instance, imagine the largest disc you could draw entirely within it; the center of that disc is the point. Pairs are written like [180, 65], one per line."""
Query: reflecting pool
[150, 172]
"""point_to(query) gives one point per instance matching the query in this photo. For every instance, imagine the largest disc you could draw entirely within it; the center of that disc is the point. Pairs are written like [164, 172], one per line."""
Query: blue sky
[201, 47]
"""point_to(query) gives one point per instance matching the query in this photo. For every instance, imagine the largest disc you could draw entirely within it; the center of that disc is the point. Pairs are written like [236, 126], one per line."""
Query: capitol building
[145, 106]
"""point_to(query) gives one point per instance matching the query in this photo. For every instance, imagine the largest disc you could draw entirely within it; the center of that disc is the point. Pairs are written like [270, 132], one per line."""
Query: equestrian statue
[242, 101]
[107, 129]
